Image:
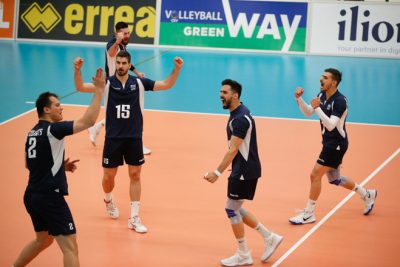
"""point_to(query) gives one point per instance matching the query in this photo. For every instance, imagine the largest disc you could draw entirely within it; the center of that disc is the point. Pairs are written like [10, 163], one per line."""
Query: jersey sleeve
[62, 129]
[339, 107]
[240, 126]
[148, 84]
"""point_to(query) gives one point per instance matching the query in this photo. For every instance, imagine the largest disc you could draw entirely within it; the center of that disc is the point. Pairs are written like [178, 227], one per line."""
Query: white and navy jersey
[125, 105]
[336, 105]
[44, 153]
[110, 61]
[246, 164]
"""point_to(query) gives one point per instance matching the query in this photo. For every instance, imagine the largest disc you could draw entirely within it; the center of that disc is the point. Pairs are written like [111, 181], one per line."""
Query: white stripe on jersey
[105, 98]
[141, 95]
[244, 148]
[57, 152]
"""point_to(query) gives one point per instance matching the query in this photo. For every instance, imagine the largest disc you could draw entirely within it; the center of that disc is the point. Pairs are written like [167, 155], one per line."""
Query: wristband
[217, 173]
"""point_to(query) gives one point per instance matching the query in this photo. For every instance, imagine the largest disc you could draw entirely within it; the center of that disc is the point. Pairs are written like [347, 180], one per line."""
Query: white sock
[107, 197]
[310, 206]
[135, 208]
[360, 190]
[262, 230]
[242, 244]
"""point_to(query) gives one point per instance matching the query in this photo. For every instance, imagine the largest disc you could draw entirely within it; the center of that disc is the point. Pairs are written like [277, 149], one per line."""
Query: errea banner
[86, 20]
[243, 24]
[356, 29]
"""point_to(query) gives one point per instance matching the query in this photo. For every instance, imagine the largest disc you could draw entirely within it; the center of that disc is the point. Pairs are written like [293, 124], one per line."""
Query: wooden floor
[185, 215]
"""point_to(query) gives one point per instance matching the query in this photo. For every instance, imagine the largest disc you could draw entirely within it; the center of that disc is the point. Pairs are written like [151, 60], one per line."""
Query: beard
[122, 72]
[226, 104]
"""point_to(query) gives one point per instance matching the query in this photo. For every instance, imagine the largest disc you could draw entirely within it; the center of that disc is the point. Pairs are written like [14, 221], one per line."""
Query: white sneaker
[135, 224]
[271, 244]
[369, 200]
[146, 151]
[239, 259]
[94, 132]
[302, 218]
[112, 210]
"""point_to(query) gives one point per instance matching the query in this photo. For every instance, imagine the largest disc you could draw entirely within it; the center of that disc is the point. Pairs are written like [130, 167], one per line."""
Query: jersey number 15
[123, 111]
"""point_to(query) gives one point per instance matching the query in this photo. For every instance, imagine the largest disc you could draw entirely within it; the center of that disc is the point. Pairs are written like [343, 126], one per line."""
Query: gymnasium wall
[370, 29]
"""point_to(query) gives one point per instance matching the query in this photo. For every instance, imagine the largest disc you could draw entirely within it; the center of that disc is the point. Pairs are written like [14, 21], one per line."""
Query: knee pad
[334, 177]
[233, 211]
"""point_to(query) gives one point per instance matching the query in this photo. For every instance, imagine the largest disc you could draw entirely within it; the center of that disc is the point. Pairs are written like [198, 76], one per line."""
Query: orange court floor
[185, 214]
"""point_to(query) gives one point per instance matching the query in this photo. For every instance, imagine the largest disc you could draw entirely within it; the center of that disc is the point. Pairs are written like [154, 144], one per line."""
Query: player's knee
[334, 177]
[234, 216]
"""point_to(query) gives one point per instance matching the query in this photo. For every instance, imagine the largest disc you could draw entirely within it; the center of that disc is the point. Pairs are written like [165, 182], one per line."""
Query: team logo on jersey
[328, 107]
[133, 87]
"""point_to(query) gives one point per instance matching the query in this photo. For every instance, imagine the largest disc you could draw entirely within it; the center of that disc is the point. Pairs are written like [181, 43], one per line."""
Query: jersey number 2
[123, 111]
[31, 148]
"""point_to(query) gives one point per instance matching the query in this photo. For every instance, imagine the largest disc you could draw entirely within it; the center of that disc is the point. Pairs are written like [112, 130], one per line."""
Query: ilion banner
[356, 29]
[262, 25]
[86, 20]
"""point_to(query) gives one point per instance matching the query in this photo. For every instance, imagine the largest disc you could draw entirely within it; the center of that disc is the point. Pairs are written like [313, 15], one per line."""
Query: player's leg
[242, 256]
[95, 130]
[133, 155]
[42, 241]
[307, 215]
[367, 195]
[135, 190]
[271, 240]
[108, 184]
[112, 158]
[69, 248]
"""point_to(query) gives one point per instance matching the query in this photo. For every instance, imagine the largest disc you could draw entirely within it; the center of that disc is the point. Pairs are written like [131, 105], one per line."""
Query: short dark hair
[235, 86]
[124, 53]
[44, 101]
[336, 75]
[120, 25]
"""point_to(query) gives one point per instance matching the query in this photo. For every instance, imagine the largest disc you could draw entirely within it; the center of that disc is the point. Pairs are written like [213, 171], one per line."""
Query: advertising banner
[7, 18]
[243, 24]
[86, 20]
[356, 29]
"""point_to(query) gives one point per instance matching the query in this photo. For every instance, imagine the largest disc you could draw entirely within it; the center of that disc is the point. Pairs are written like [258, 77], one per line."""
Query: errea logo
[36, 17]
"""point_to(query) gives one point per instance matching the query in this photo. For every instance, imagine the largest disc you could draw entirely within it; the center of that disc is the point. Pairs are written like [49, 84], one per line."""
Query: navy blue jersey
[124, 106]
[246, 164]
[336, 105]
[110, 61]
[44, 153]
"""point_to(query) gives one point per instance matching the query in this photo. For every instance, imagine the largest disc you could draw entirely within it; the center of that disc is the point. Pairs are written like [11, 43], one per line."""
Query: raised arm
[304, 107]
[113, 50]
[92, 112]
[171, 79]
[79, 84]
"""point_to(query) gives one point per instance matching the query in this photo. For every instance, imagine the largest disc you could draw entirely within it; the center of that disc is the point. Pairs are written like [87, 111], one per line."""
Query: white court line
[327, 216]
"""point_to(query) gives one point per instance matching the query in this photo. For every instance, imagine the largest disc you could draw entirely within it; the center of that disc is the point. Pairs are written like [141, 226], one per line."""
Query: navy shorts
[241, 189]
[331, 157]
[116, 151]
[49, 213]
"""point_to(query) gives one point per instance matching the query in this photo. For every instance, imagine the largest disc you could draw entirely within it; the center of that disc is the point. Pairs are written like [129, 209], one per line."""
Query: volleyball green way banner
[242, 24]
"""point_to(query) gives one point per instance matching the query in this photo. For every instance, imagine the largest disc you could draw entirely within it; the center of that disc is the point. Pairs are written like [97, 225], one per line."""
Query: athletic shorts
[241, 189]
[116, 151]
[49, 213]
[331, 157]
